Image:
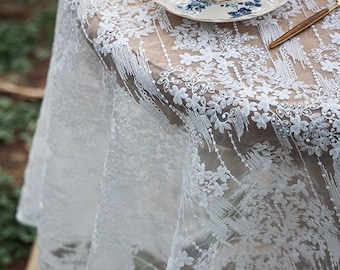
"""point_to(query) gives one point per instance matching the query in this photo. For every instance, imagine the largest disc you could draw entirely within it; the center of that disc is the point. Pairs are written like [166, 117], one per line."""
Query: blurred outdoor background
[26, 35]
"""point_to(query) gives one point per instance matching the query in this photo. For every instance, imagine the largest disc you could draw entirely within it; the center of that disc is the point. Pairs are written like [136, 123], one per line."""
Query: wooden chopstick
[302, 26]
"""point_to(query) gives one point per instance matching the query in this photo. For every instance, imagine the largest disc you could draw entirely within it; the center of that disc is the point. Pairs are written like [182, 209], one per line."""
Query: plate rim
[196, 17]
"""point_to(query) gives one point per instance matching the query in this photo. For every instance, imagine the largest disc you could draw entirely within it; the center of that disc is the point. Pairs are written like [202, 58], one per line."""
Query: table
[168, 143]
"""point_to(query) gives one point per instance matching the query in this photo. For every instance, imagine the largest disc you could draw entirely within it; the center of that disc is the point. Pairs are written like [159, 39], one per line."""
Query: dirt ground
[17, 265]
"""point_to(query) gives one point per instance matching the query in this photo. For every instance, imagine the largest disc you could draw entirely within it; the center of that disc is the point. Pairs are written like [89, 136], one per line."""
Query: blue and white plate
[227, 11]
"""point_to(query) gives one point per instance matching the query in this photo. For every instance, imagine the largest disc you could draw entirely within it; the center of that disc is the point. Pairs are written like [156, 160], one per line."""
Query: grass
[17, 120]
[15, 239]
[24, 45]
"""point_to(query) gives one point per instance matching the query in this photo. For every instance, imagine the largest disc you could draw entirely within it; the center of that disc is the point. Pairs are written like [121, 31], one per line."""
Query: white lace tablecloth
[168, 143]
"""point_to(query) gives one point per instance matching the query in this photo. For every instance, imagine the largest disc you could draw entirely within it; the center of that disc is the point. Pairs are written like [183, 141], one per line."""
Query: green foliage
[15, 239]
[17, 120]
[23, 45]
[25, 41]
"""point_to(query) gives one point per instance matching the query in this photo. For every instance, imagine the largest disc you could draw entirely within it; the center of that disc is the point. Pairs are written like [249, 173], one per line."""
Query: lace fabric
[167, 143]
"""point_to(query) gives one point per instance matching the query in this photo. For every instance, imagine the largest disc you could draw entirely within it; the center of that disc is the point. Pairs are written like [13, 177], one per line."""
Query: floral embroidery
[264, 209]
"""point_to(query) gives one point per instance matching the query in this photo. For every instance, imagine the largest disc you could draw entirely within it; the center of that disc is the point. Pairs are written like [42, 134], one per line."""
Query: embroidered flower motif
[179, 94]
[335, 38]
[316, 139]
[183, 259]
[332, 106]
[261, 120]
[247, 91]
[205, 37]
[335, 151]
[247, 106]
[336, 125]
[265, 102]
[330, 66]
[207, 54]
[298, 125]
[231, 52]
[264, 88]
[194, 102]
[187, 59]
[282, 94]
[223, 64]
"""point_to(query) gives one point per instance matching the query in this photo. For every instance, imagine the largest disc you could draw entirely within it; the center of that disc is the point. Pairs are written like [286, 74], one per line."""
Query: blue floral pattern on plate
[239, 9]
[194, 6]
[242, 8]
